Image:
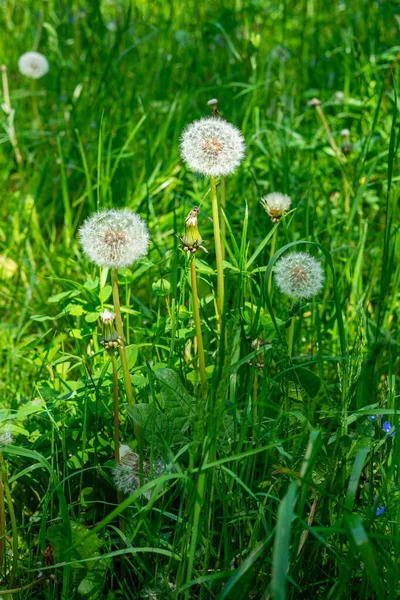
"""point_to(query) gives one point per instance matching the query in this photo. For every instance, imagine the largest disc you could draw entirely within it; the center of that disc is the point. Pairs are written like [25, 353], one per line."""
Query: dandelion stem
[12, 519]
[122, 350]
[218, 251]
[10, 116]
[272, 252]
[290, 336]
[222, 198]
[199, 335]
[116, 411]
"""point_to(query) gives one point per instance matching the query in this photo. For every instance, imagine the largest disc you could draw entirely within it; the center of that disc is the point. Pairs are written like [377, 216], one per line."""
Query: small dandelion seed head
[276, 204]
[299, 275]
[114, 238]
[126, 474]
[345, 133]
[6, 437]
[107, 317]
[33, 65]
[212, 146]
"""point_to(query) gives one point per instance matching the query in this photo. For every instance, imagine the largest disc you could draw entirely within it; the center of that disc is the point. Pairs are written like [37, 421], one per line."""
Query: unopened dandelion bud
[276, 204]
[33, 65]
[192, 239]
[212, 146]
[110, 339]
[299, 275]
[114, 238]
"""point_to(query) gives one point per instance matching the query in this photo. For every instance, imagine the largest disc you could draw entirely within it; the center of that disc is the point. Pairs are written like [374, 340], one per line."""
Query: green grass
[277, 477]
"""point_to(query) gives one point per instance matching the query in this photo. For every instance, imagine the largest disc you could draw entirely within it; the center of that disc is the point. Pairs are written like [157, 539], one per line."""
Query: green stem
[218, 251]
[199, 335]
[12, 519]
[122, 350]
[116, 411]
[2, 524]
[222, 199]
[290, 337]
[272, 252]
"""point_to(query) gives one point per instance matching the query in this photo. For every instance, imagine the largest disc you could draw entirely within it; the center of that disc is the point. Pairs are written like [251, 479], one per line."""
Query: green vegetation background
[286, 506]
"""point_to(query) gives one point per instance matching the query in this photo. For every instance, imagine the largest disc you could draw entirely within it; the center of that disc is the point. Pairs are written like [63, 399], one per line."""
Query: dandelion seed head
[276, 204]
[6, 437]
[107, 316]
[299, 275]
[345, 133]
[114, 238]
[212, 146]
[33, 65]
[126, 474]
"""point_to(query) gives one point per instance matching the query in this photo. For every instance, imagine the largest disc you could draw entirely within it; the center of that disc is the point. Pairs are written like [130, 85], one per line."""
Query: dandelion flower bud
[192, 239]
[126, 474]
[33, 65]
[299, 275]
[110, 340]
[276, 204]
[114, 238]
[212, 146]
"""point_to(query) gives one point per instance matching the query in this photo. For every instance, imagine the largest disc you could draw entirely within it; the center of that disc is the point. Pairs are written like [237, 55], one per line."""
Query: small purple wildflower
[380, 510]
[387, 427]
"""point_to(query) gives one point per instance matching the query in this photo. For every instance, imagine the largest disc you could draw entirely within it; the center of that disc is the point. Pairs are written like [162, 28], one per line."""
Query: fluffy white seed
[276, 204]
[212, 146]
[114, 238]
[126, 474]
[107, 316]
[299, 275]
[33, 65]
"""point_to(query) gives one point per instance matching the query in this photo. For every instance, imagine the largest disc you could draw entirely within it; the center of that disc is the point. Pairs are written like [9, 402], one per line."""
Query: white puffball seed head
[114, 238]
[33, 65]
[276, 204]
[126, 474]
[212, 146]
[299, 275]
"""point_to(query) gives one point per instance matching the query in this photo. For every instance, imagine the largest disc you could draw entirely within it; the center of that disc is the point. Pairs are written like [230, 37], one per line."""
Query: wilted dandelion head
[276, 204]
[6, 437]
[126, 474]
[299, 275]
[114, 238]
[33, 65]
[212, 146]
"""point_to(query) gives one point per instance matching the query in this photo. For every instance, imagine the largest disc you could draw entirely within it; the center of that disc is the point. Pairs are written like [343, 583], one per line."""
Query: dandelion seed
[212, 146]
[299, 275]
[126, 474]
[33, 65]
[387, 427]
[114, 238]
[276, 204]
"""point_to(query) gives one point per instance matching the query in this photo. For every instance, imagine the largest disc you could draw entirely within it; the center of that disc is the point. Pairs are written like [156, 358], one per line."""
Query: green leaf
[355, 528]
[280, 559]
[86, 578]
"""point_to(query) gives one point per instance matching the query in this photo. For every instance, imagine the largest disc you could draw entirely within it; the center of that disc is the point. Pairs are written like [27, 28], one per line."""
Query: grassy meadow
[280, 475]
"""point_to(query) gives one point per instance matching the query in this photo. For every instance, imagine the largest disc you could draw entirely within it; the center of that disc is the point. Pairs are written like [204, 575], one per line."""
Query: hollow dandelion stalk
[10, 116]
[218, 251]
